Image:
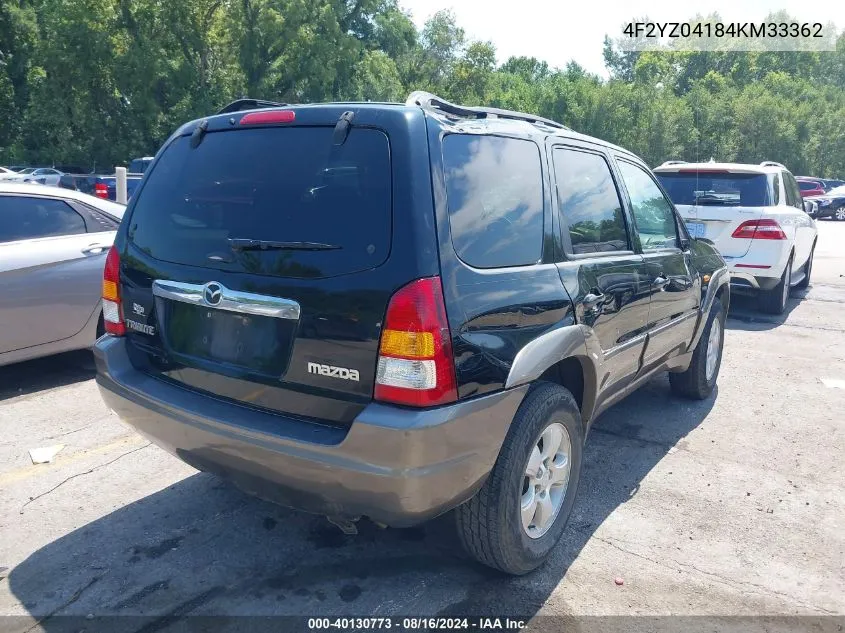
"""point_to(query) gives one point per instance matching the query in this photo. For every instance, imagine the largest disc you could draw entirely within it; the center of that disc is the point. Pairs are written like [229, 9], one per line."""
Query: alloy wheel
[546, 480]
[714, 345]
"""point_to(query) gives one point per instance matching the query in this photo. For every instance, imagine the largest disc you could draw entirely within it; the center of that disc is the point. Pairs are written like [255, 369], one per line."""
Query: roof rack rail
[771, 163]
[246, 103]
[426, 100]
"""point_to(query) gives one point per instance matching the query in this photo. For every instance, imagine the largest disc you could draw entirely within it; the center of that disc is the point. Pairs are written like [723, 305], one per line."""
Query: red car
[810, 187]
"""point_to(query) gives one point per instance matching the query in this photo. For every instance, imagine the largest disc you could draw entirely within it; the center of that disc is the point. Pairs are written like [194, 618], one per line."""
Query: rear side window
[272, 201]
[23, 218]
[589, 202]
[717, 188]
[494, 188]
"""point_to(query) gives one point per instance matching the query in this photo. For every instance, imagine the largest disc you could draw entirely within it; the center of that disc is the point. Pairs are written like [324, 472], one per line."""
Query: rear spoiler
[249, 104]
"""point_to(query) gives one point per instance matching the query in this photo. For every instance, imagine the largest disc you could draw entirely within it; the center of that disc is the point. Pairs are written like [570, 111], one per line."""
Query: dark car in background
[831, 184]
[810, 186]
[831, 204]
[139, 165]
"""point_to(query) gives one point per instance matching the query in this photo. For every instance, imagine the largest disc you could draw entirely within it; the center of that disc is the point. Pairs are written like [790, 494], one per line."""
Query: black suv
[395, 311]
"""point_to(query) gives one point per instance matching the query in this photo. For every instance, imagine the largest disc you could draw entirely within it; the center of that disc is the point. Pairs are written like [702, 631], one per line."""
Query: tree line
[97, 82]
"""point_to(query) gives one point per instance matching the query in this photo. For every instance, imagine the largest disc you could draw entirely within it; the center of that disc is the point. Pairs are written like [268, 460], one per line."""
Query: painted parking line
[833, 383]
[33, 470]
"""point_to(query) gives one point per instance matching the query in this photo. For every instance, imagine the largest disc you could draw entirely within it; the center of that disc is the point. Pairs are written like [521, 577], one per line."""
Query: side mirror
[685, 244]
[810, 207]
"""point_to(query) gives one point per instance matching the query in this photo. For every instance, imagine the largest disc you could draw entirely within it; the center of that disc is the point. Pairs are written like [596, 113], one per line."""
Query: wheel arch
[718, 287]
[561, 356]
[578, 375]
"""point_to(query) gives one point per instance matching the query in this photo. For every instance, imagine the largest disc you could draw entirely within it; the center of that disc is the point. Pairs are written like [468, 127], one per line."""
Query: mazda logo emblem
[212, 293]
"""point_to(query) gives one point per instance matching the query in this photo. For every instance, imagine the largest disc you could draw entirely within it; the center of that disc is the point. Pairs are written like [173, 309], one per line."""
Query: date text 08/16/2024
[417, 624]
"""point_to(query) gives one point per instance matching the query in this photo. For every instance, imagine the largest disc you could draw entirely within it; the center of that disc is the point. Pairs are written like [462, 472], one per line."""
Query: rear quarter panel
[800, 230]
[494, 313]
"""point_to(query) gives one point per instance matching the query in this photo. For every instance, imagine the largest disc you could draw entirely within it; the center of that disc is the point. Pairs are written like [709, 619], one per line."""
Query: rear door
[792, 215]
[607, 280]
[715, 202]
[254, 266]
[51, 263]
[673, 285]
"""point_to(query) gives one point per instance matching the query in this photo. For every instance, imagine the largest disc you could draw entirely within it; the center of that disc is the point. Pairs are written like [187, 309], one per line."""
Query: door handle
[590, 301]
[94, 249]
[660, 283]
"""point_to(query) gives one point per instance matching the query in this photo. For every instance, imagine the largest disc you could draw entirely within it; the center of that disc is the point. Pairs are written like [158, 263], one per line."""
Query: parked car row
[830, 204]
[74, 178]
[378, 309]
[816, 186]
[828, 196]
[104, 187]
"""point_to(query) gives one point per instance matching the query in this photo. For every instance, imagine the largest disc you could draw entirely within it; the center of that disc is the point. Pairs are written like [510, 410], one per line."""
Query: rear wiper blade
[247, 244]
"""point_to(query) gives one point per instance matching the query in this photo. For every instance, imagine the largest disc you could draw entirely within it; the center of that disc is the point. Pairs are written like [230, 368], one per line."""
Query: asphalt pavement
[734, 506]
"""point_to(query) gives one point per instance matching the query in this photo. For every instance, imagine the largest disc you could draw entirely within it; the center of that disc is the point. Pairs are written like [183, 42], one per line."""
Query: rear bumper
[747, 281]
[397, 466]
[762, 266]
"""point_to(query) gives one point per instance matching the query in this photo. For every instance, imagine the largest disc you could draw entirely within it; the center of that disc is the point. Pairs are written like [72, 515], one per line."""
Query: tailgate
[714, 203]
[717, 224]
[253, 269]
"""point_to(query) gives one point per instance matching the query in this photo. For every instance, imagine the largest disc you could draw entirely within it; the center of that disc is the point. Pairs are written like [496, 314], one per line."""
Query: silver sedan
[53, 246]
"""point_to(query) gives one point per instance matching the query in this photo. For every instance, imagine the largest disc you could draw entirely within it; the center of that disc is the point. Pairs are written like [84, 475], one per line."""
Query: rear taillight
[415, 364]
[759, 230]
[101, 190]
[112, 311]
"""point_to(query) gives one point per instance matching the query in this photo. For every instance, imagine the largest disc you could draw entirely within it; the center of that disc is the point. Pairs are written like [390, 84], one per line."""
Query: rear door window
[775, 186]
[494, 187]
[271, 201]
[590, 208]
[653, 214]
[25, 218]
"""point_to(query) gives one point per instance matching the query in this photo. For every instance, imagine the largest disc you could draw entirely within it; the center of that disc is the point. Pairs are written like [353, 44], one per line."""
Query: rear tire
[697, 383]
[491, 524]
[774, 301]
[808, 269]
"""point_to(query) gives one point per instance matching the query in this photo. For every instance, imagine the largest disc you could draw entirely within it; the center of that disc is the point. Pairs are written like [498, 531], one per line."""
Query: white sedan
[755, 216]
[7, 173]
[53, 246]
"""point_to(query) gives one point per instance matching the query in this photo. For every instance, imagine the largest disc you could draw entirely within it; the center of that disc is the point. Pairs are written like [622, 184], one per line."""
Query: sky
[557, 31]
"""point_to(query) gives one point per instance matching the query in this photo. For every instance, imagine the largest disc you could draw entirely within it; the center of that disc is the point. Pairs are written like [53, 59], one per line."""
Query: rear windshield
[271, 201]
[718, 189]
